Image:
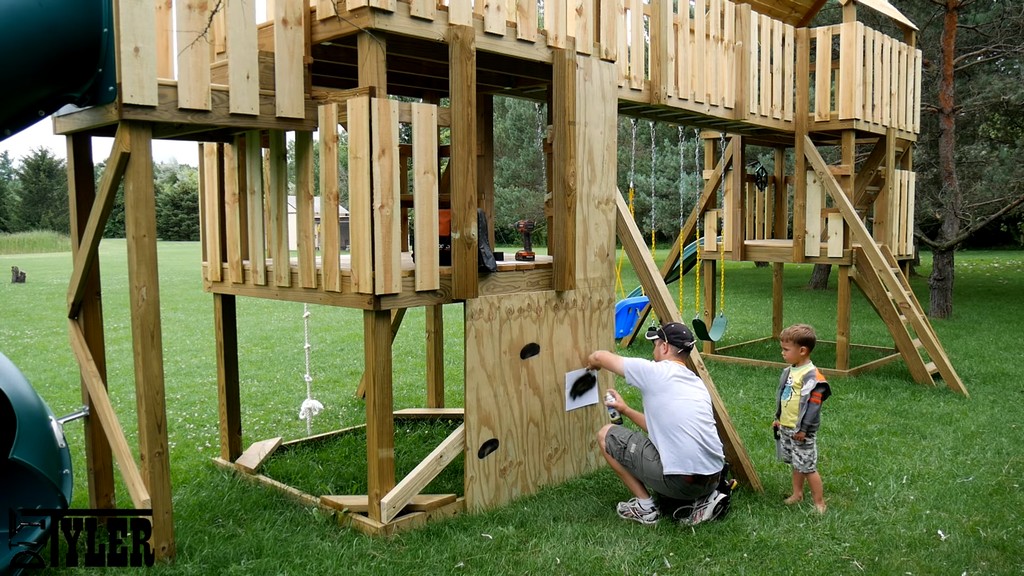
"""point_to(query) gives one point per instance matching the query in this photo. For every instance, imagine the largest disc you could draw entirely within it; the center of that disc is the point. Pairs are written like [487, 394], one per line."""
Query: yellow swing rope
[654, 245]
[696, 282]
[681, 218]
[619, 288]
[700, 244]
[721, 285]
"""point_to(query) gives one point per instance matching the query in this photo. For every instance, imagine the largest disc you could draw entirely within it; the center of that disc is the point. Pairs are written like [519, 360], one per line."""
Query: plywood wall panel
[521, 402]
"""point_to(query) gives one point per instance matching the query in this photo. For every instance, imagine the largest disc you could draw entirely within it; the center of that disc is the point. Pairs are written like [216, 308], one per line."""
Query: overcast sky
[41, 134]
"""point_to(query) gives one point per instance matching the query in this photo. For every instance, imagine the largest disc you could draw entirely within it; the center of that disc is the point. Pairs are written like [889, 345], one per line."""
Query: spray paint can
[613, 414]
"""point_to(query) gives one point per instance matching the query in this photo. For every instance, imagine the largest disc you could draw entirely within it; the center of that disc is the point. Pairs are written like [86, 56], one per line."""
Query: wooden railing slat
[193, 54]
[255, 190]
[425, 195]
[289, 58]
[360, 194]
[330, 236]
[243, 55]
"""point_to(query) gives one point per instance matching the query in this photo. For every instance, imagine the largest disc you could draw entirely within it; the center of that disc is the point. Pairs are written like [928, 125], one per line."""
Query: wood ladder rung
[931, 368]
[917, 343]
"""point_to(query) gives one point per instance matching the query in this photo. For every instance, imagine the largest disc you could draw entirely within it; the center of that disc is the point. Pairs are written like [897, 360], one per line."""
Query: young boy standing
[802, 389]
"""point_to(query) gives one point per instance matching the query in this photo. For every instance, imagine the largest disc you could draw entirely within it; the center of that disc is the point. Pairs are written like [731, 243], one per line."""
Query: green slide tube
[55, 52]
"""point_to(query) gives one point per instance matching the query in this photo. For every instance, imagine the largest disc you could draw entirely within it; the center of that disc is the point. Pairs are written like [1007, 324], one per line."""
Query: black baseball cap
[676, 334]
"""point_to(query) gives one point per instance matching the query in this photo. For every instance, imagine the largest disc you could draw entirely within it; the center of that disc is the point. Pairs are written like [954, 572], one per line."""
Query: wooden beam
[255, 455]
[462, 59]
[225, 328]
[778, 293]
[82, 195]
[800, 125]
[562, 236]
[640, 257]
[435, 356]
[485, 160]
[843, 319]
[397, 315]
[104, 413]
[435, 462]
[380, 424]
[147, 338]
[88, 251]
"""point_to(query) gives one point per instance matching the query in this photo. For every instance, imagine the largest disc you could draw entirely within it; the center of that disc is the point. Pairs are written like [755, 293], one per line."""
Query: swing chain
[632, 154]
[653, 152]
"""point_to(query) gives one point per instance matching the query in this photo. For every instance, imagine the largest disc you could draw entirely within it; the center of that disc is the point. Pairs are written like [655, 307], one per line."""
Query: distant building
[293, 240]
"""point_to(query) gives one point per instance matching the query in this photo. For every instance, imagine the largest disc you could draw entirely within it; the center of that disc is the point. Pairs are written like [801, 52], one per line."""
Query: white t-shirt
[680, 419]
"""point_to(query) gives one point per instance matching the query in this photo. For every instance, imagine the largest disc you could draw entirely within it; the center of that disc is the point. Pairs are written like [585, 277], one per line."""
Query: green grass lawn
[919, 480]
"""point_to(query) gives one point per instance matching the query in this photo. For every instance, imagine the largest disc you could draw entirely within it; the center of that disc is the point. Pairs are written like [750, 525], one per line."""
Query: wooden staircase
[880, 278]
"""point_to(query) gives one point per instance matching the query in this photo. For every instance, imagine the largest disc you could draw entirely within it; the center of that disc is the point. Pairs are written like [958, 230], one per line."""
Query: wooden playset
[209, 72]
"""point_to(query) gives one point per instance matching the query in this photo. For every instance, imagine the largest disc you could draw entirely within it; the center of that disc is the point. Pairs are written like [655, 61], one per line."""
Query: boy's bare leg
[798, 488]
[817, 491]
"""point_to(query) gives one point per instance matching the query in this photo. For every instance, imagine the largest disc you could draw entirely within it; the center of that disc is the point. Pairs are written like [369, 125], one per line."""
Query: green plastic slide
[55, 52]
[35, 468]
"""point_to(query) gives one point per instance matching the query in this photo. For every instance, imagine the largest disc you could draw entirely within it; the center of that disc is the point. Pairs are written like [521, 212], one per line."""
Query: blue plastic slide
[627, 310]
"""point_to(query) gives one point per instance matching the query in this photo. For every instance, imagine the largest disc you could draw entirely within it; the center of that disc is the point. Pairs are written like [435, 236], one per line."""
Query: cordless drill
[525, 227]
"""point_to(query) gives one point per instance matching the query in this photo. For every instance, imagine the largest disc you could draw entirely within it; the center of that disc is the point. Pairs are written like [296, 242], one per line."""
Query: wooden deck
[673, 74]
[512, 277]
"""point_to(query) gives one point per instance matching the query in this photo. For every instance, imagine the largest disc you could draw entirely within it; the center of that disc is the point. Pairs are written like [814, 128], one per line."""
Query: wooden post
[803, 87]
[462, 60]
[843, 319]
[745, 66]
[778, 294]
[225, 325]
[397, 315]
[780, 227]
[735, 209]
[82, 195]
[147, 339]
[662, 59]
[485, 160]
[562, 236]
[380, 424]
[435, 356]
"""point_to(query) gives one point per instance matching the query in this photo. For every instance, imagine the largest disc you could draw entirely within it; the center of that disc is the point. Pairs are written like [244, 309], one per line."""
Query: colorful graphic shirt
[791, 395]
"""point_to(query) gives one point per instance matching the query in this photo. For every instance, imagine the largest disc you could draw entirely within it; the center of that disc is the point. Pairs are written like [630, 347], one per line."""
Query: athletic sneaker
[705, 509]
[632, 510]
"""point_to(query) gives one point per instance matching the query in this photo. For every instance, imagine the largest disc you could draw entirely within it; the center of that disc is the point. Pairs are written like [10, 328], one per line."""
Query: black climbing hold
[531, 349]
[486, 448]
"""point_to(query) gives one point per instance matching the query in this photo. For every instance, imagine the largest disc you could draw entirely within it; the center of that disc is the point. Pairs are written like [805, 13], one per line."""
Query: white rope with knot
[310, 406]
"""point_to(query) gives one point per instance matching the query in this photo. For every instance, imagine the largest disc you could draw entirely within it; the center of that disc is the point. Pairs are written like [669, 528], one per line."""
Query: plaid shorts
[803, 456]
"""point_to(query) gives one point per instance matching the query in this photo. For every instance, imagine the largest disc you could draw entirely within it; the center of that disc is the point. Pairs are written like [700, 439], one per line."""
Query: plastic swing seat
[715, 333]
[627, 314]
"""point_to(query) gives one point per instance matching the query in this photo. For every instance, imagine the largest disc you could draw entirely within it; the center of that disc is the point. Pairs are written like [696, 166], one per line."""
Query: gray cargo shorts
[637, 454]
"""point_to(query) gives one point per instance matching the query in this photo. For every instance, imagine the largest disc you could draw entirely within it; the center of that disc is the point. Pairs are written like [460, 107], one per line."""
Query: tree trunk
[819, 277]
[941, 281]
[941, 284]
